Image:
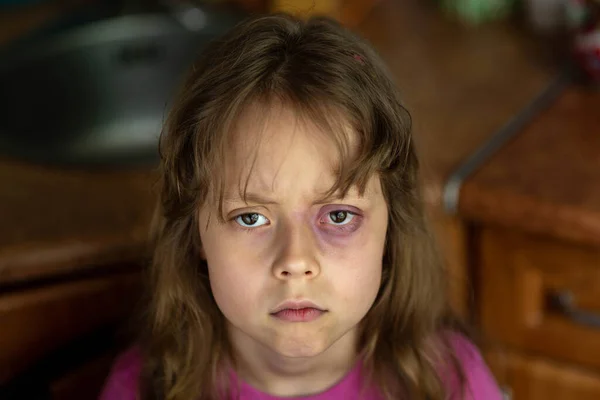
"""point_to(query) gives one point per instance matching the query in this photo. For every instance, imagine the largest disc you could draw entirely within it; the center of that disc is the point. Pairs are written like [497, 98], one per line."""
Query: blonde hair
[314, 66]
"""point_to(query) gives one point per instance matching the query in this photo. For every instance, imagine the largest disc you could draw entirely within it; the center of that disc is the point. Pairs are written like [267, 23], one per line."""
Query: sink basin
[98, 94]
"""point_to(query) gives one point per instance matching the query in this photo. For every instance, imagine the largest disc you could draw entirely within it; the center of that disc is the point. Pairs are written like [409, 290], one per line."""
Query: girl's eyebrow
[331, 198]
[255, 198]
[249, 198]
[337, 197]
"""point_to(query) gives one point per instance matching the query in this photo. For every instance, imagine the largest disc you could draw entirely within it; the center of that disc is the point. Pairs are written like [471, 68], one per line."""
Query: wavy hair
[315, 66]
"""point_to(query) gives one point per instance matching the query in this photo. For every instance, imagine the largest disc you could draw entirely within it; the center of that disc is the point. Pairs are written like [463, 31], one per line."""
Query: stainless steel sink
[97, 95]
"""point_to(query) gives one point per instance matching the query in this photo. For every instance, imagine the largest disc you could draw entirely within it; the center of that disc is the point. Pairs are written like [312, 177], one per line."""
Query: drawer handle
[565, 303]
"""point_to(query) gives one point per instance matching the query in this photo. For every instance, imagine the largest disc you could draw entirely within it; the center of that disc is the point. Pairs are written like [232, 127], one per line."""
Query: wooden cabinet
[58, 339]
[539, 302]
[534, 206]
[523, 279]
[525, 377]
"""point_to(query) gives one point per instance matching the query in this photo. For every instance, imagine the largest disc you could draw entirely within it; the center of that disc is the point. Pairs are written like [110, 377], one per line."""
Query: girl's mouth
[305, 314]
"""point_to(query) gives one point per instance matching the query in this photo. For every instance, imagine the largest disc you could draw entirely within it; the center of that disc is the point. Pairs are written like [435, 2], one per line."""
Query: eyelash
[349, 227]
[248, 228]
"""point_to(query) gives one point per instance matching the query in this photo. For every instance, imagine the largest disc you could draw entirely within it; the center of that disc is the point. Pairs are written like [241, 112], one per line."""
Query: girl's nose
[296, 256]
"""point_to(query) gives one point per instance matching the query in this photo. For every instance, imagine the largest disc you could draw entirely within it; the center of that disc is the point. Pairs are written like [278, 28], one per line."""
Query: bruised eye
[251, 220]
[341, 217]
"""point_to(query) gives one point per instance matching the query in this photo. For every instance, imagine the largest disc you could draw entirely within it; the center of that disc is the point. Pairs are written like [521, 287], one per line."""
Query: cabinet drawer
[37, 321]
[528, 378]
[541, 295]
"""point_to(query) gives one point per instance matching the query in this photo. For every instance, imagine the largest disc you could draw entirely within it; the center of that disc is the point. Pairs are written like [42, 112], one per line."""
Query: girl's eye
[251, 220]
[341, 217]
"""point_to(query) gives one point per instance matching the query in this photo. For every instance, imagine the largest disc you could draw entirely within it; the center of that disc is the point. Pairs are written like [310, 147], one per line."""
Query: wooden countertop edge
[495, 206]
[17, 264]
[452, 185]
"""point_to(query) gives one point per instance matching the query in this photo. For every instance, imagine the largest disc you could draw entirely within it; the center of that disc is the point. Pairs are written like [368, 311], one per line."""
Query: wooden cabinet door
[540, 296]
[529, 378]
[36, 322]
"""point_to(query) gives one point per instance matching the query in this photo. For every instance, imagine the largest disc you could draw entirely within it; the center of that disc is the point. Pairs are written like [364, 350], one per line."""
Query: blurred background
[506, 120]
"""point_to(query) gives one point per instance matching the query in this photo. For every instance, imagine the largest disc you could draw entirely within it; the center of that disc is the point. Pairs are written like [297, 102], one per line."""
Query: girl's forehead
[273, 148]
[270, 121]
[282, 146]
[275, 131]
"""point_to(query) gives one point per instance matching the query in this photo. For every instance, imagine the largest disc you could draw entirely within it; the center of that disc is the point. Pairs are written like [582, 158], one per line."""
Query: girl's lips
[306, 314]
[296, 305]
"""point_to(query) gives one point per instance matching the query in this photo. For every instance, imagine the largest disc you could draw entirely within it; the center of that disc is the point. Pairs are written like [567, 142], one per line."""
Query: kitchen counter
[62, 221]
[461, 84]
[534, 214]
[547, 180]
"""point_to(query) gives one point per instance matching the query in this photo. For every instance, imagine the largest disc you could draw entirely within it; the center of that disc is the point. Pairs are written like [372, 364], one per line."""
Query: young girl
[292, 258]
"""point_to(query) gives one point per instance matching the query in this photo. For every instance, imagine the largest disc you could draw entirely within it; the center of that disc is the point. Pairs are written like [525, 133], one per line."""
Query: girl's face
[292, 272]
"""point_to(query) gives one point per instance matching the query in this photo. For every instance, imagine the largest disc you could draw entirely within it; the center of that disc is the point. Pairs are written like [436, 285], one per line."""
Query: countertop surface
[547, 179]
[460, 84]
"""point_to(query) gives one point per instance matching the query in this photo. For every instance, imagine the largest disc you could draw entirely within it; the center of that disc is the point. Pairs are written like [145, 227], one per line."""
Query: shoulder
[479, 381]
[122, 381]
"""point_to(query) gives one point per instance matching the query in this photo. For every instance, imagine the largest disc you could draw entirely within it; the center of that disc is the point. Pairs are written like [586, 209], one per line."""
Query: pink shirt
[122, 381]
